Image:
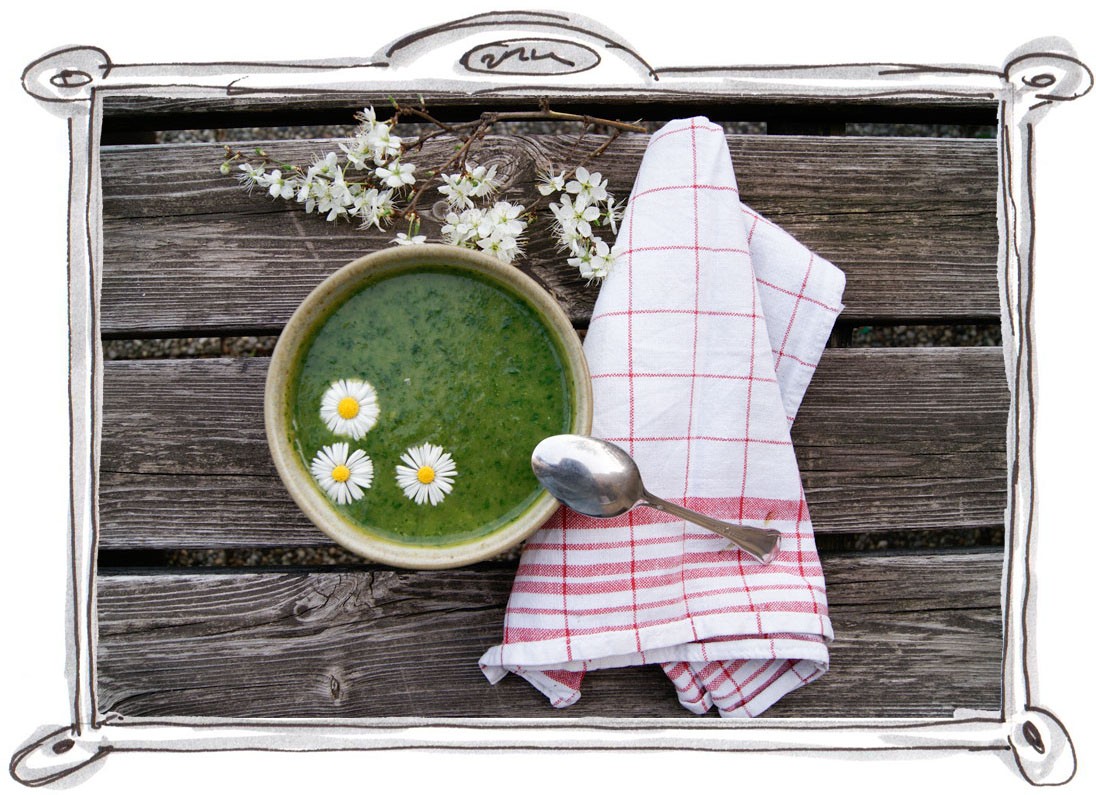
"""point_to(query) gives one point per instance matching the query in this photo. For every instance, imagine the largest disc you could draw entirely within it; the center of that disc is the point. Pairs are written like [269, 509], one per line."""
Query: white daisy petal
[426, 474]
[349, 407]
[341, 474]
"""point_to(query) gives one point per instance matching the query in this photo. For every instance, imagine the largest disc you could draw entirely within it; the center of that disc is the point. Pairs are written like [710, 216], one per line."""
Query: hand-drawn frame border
[72, 82]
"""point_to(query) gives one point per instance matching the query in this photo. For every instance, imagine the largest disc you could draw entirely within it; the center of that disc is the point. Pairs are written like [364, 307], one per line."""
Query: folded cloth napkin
[702, 342]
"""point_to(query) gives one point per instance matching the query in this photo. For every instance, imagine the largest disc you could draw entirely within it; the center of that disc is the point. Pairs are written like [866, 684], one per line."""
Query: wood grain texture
[378, 642]
[887, 439]
[912, 222]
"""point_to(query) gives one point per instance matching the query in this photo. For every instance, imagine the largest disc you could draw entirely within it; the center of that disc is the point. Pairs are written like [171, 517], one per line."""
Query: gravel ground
[865, 336]
[188, 347]
[336, 556]
[924, 336]
[738, 128]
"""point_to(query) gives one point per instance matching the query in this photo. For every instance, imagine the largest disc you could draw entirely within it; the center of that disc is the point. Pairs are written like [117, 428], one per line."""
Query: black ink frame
[74, 81]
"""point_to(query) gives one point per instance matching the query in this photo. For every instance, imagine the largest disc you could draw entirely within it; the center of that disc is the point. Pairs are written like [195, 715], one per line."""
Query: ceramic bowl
[365, 301]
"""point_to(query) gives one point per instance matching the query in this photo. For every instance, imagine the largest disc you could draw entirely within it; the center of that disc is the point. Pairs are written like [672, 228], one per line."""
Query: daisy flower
[349, 407]
[342, 474]
[426, 474]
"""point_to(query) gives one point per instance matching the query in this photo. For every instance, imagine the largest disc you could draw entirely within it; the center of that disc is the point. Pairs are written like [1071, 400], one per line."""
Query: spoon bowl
[597, 478]
[593, 477]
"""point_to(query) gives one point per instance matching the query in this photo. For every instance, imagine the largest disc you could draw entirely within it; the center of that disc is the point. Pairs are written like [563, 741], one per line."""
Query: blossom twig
[373, 183]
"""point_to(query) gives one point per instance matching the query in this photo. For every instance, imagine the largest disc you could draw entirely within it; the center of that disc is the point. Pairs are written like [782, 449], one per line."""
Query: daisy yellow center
[426, 474]
[348, 408]
[341, 473]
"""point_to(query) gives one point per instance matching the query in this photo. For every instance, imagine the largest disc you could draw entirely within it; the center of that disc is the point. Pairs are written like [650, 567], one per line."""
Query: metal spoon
[597, 478]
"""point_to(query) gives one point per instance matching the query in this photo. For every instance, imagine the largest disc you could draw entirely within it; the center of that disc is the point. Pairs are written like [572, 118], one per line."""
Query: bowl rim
[336, 288]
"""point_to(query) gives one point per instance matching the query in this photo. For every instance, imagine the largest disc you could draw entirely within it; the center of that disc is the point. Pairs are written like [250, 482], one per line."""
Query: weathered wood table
[904, 449]
[889, 440]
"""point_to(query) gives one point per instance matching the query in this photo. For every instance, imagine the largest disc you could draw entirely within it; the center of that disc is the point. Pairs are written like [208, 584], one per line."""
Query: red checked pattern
[703, 340]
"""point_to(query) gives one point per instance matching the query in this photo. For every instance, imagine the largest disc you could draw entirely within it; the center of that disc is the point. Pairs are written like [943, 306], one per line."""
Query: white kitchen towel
[702, 342]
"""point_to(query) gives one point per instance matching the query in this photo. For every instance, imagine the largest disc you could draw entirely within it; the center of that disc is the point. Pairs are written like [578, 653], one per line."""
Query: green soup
[457, 362]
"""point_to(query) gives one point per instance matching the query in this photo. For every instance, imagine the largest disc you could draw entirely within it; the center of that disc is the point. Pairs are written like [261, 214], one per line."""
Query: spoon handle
[759, 544]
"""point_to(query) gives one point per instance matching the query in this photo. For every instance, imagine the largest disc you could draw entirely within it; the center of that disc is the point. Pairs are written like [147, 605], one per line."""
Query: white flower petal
[365, 417]
[415, 459]
[358, 463]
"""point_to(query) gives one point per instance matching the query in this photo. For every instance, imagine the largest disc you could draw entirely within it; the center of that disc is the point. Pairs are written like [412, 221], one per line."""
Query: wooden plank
[887, 439]
[905, 438]
[261, 109]
[911, 221]
[917, 635]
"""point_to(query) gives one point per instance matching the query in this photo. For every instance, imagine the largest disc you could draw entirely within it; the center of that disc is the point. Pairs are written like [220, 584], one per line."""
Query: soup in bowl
[405, 397]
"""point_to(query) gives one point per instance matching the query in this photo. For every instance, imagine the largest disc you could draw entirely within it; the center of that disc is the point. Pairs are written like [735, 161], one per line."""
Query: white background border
[33, 391]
